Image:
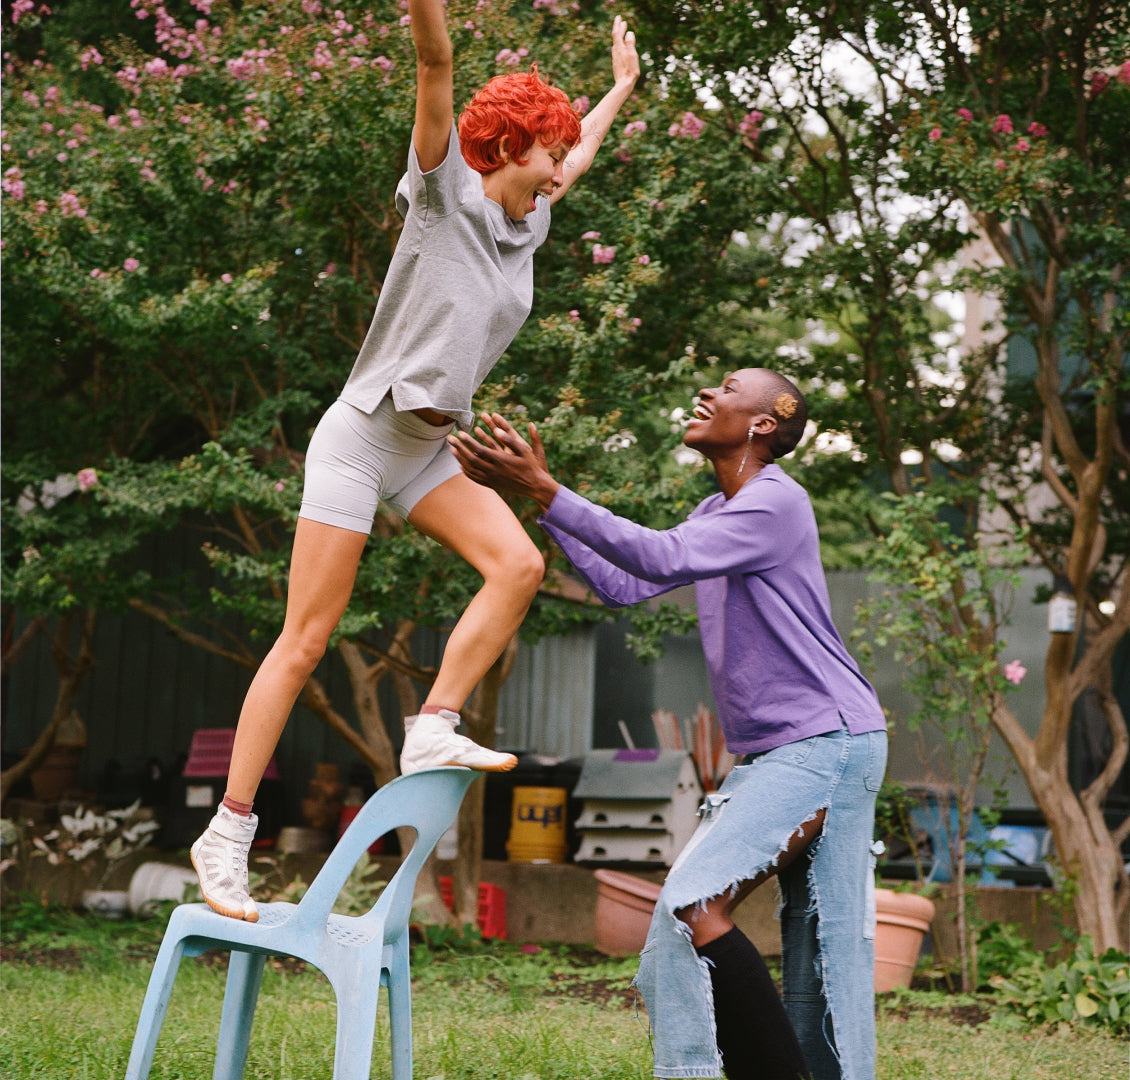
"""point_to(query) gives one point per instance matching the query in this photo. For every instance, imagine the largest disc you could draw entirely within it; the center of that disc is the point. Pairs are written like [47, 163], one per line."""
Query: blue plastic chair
[349, 950]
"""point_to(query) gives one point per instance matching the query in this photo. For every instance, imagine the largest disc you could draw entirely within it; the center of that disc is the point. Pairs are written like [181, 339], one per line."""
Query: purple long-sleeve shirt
[778, 667]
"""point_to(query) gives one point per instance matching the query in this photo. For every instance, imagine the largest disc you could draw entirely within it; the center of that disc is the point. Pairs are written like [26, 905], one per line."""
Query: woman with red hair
[476, 204]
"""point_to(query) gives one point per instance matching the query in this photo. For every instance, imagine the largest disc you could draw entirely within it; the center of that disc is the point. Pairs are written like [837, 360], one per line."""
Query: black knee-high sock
[755, 1037]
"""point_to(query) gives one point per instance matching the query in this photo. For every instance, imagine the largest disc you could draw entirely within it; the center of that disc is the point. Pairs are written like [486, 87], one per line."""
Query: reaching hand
[625, 59]
[504, 460]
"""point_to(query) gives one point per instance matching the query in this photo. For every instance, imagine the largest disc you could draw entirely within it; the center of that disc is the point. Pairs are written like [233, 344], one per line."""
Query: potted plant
[97, 844]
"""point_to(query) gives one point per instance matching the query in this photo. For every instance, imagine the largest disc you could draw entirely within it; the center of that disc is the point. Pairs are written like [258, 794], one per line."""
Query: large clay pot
[624, 906]
[902, 920]
[56, 774]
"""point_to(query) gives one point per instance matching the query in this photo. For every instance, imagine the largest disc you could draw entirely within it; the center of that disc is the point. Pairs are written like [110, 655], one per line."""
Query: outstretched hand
[625, 59]
[501, 459]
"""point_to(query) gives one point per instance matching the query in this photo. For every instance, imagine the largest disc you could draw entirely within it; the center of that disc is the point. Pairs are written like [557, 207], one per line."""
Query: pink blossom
[636, 323]
[581, 105]
[1037, 129]
[635, 127]
[574, 315]
[21, 8]
[1100, 80]
[643, 260]
[113, 121]
[280, 486]
[96, 273]
[70, 206]
[134, 117]
[87, 478]
[935, 134]
[1123, 75]
[689, 127]
[41, 206]
[965, 114]
[89, 56]
[226, 278]
[602, 254]
[1023, 145]
[508, 57]
[384, 63]
[1002, 125]
[590, 235]
[1000, 164]
[750, 125]
[130, 265]
[61, 156]
[1015, 671]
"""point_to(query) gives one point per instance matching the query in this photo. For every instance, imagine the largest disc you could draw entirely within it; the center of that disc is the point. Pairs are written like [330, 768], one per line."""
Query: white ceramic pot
[109, 903]
[153, 882]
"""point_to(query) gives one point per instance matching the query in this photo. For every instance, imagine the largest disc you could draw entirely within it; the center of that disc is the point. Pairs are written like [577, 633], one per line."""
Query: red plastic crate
[491, 914]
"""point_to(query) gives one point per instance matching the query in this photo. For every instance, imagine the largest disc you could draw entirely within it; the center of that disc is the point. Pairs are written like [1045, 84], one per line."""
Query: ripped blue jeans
[827, 911]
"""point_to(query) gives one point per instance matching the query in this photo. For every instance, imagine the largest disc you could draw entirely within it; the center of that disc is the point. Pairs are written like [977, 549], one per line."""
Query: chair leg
[154, 1006]
[400, 1017]
[356, 1025]
[245, 973]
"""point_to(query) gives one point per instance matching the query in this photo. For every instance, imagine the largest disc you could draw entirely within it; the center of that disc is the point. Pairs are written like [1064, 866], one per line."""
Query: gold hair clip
[785, 405]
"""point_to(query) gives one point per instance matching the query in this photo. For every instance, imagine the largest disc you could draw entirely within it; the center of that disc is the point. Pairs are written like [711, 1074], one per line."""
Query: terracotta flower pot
[902, 920]
[624, 906]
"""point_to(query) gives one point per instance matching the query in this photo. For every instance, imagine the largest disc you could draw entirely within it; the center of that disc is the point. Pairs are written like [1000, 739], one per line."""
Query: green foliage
[195, 274]
[1002, 949]
[1084, 990]
[944, 598]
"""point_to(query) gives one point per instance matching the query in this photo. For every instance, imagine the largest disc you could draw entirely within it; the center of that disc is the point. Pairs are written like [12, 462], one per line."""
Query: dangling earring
[748, 444]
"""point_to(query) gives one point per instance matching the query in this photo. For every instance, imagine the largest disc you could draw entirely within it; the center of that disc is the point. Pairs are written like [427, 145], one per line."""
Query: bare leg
[714, 918]
[323, 567]
[476, 524]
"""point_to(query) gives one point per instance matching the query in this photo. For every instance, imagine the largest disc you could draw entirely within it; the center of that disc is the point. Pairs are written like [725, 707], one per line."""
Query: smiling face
[515, 186]
[723, 414]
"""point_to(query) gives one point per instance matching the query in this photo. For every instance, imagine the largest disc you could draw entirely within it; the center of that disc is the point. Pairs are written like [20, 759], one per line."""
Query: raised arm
[435, 90]
[595, 125]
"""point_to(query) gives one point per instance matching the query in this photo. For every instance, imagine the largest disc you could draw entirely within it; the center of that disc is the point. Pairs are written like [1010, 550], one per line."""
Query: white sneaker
[219, 858]
[430, 742]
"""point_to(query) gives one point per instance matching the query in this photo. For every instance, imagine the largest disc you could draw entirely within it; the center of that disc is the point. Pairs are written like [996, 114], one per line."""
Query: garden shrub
[1085, 990]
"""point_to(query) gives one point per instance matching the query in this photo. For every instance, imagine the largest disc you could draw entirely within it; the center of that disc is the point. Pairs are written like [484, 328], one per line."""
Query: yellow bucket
[537, 825]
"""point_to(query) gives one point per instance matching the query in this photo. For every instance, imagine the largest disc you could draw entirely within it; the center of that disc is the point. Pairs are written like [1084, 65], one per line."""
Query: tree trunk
[1085, 849]
[72, 669]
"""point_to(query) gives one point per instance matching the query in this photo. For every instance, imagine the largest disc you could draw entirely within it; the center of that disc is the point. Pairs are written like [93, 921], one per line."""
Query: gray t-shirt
[458, 289]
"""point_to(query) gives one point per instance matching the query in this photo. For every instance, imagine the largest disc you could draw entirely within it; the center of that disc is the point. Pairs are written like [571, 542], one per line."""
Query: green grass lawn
[71, 990]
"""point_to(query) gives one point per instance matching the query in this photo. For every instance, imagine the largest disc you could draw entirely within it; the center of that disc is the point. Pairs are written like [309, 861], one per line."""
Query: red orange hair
[522, 107]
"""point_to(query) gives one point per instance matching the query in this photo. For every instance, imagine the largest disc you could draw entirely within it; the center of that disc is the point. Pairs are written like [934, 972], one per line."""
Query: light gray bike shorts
[357, 459]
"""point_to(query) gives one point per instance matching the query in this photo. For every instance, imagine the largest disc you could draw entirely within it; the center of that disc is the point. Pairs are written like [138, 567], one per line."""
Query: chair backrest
[428, 802]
